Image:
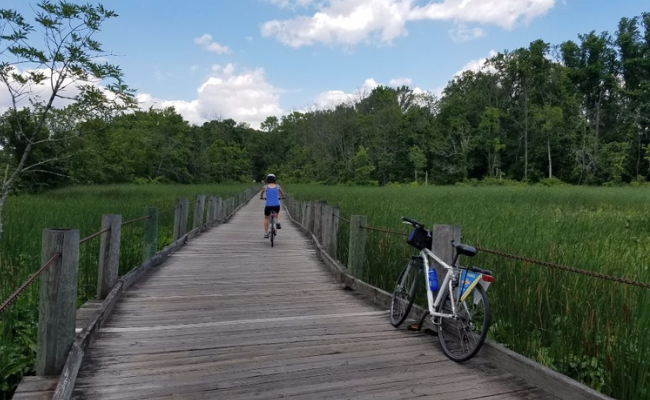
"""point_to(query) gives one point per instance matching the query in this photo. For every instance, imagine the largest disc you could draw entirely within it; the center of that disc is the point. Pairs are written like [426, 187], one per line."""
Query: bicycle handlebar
[412, 222]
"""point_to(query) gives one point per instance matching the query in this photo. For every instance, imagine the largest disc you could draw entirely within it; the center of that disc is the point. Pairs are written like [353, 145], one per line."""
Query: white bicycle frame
[272, 221]
[445, 288]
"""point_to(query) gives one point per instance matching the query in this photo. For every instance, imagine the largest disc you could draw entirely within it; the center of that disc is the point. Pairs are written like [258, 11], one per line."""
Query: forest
[577, 112]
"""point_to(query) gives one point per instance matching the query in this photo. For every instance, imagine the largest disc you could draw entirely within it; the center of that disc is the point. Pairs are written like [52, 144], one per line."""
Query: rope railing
[567, 268]
[131, 221]
[383, 230]
[574, 270]
[94, 235]
[28, 283]
[341, 218]
[167, 210]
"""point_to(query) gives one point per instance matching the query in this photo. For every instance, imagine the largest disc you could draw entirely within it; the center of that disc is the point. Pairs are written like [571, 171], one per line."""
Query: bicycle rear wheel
[404, 293]
[461, 337]
[272, 235]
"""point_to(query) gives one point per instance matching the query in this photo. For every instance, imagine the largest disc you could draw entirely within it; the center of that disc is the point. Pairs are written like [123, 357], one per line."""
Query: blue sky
[249, 59]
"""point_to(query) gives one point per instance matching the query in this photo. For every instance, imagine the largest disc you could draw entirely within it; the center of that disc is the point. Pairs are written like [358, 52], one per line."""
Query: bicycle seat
[465, 249]
[480, 270]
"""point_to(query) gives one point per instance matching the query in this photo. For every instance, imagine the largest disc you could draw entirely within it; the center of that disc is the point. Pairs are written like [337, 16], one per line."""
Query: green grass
[586, 328]
[24, 219]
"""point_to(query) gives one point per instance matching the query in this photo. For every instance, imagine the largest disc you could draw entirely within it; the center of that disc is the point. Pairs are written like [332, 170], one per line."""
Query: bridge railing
[59, 349]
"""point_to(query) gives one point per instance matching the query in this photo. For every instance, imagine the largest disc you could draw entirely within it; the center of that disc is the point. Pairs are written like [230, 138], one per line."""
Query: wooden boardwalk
[229, 317]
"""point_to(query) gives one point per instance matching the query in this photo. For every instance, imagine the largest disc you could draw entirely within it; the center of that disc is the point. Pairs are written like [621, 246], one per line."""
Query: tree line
[576, 112]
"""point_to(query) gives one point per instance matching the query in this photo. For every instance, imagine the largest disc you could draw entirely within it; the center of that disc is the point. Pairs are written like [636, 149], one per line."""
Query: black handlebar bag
[420, 238]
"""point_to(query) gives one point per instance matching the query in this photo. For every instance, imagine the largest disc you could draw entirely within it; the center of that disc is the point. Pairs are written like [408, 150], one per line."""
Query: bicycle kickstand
[419, 325]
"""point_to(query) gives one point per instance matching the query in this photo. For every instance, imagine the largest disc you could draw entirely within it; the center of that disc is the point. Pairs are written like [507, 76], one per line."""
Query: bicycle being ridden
[272, 193]
[460, 310]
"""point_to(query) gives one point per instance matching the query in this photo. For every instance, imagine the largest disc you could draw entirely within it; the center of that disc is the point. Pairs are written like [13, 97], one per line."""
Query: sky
[251, 59]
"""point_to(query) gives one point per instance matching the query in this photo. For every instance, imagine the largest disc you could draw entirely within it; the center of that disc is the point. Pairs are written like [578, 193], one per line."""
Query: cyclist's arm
[281, 192]
[263, 192]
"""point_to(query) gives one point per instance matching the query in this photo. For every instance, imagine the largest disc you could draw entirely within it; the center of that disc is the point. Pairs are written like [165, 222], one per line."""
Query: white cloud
[400, 82]
[350, 22]
[504, 13]
[43, 91]
[333, 98]
[461, 33]
[290, 3]
[244, 97]
[476, 65]
[209, 45]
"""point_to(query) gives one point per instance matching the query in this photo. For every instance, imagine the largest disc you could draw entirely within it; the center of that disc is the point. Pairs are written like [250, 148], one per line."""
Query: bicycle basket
[419, 238]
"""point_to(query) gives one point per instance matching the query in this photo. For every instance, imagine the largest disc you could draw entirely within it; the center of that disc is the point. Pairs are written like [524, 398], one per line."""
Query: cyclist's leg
[266, 222]
[277, 218]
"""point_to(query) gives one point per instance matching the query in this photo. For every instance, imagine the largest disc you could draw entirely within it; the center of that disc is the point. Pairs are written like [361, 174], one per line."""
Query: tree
[67, 61]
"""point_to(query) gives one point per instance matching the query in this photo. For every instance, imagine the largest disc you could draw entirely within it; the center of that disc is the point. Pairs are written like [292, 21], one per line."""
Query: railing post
[309, 217]
[334, 232]
[325, 214]
[303, 213]
[58, 300]
[150, 233]
[199, 211]
[442, 236]
[109, 254]
[219, 210]
[212, 204]
[180, 218]
[357, 251]
[318, 220]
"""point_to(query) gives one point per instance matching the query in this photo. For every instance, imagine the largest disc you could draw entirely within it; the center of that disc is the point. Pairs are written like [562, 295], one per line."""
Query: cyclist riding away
[272, 192]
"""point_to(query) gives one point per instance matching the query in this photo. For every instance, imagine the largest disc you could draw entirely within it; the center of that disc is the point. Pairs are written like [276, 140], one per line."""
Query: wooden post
[334, 233]
[109, 254]
[442, 236]
[219, 210]
[297, 205]
[199, 211]
[303, 213]
[357, 251]
[210, 212]
[326, 214]
[150, 246]
[180, 218]
[318, 219]
[309, 217]
[58, 300]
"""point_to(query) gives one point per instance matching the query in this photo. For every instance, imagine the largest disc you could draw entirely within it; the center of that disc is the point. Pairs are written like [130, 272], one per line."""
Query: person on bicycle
[272, 192]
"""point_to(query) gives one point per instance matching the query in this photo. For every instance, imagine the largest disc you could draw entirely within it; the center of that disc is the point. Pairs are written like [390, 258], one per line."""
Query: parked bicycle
[460, 310]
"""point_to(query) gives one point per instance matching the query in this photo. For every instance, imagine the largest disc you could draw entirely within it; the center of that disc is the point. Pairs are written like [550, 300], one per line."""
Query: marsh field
[590, 329]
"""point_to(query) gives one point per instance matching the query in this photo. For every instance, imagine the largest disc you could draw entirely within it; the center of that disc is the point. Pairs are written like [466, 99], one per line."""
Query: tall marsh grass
[590, 329]
[25, 216]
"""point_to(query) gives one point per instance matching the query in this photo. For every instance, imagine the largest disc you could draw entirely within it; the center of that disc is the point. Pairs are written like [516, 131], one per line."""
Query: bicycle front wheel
[404, 293]
[462, 336]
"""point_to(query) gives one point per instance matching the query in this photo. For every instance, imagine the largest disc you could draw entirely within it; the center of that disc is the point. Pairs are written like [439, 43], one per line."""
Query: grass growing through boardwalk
[25, 217]
[589, 329]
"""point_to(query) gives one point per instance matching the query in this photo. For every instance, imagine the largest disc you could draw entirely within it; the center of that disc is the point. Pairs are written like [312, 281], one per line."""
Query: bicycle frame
[445, 287]
[273, 219]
